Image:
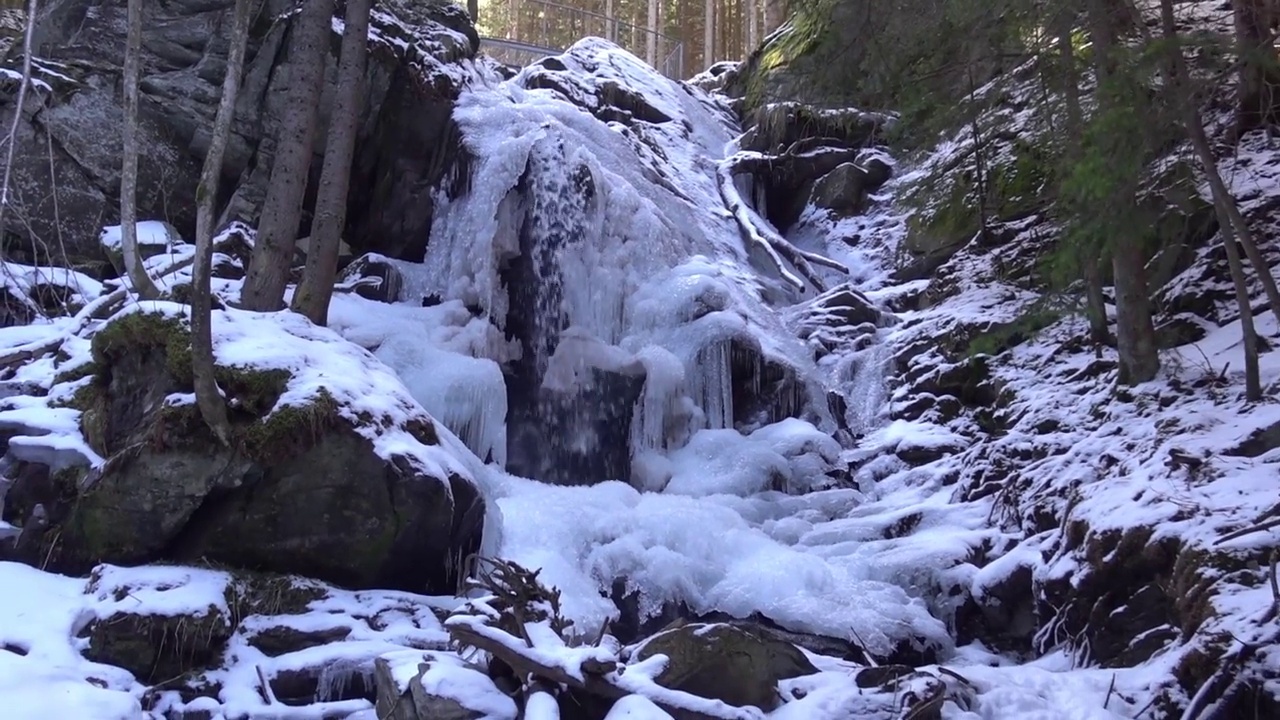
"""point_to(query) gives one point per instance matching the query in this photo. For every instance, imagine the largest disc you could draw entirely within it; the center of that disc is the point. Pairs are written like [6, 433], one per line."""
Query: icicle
[336, 678]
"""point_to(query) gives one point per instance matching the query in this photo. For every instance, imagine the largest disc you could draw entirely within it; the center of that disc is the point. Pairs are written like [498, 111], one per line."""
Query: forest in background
[705, 31]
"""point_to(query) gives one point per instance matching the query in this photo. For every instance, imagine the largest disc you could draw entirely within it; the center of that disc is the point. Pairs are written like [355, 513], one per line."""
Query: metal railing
[525, 30]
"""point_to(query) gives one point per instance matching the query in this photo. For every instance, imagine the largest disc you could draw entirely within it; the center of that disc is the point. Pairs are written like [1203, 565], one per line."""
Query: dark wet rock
[406, 147]
[154, 643]
[374, 277]
[849, 306]
[276, 640]
[1179, 330]
[726, 662]
[842, 191]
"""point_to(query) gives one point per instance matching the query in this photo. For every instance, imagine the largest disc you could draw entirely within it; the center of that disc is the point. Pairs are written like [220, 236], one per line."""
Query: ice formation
[605, 250]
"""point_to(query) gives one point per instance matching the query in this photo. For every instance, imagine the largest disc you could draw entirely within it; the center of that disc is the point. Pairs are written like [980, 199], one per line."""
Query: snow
[159, 590]
[636, 707]
[41, 671]
[151, 233]
[448, 677]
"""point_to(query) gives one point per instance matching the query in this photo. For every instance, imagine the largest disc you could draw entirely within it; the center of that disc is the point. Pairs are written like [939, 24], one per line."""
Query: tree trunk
[138, 277]
[1095, 301]
[1259, 86]
[1135, 333]
[208, 398]
[773, 15]
[753, 25]
[1223, 203]
[709, 35]
[651, 37]
[28, 35]
[282, 209]
[316, 290]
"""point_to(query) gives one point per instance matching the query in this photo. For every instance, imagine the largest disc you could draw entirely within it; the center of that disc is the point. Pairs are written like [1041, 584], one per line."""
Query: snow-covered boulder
[332, 471]
[436, 686]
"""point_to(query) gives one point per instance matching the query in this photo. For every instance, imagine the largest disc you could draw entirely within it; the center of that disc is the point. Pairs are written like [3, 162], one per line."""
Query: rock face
[421, 699]
[406, 144]
[726, 662]
[298, 491]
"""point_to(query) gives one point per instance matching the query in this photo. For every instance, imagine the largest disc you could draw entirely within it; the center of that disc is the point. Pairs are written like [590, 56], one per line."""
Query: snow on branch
[774, 245]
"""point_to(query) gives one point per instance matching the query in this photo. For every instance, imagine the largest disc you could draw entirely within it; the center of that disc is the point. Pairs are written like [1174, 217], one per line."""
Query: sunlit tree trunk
[264, 285]
[316, 290]
[709, 34]
[1135, 332]
[651, 37]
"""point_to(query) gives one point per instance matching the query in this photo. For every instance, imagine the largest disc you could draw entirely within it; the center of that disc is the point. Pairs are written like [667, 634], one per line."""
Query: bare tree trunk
[208, 398]
[1135, 332]
[138, 277]
[709, 35]
[1223, 202]
[1095, 301]
[316, 290]
[753, 25]
[473, 9]
[610, 24]
[27, 35]
[773, 15]
[1257, 98]
[282, 209]
[651, 38]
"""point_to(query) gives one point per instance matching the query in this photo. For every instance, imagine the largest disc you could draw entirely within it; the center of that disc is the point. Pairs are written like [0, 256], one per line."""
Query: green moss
[1002, 337]
[260, 593]
[288, 431]
[950, 219]
[810, 28]
[255, 390]
[76, 373]
[165, 333]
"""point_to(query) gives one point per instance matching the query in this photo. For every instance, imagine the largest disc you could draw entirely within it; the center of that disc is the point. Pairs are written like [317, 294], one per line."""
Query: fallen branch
[100, 309]
[595, 680]
[775, 246]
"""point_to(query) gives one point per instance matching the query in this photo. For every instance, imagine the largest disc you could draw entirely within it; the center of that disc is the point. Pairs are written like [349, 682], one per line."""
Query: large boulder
[71, 124]
[305, 486]
[728, 662]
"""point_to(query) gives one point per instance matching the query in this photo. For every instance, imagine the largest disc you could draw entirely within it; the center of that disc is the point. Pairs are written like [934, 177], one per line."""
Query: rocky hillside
[760, 395]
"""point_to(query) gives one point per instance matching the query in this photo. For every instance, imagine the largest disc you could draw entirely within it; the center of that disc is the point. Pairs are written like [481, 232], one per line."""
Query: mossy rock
[298, 490]
[156, 644]
[264, 593]
[726, 662]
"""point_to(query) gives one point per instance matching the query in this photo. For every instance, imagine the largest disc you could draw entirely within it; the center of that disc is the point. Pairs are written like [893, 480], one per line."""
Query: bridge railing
[518, 29]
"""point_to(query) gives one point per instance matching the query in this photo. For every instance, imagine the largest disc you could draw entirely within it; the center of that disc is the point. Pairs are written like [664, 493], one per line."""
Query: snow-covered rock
[333, 470]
